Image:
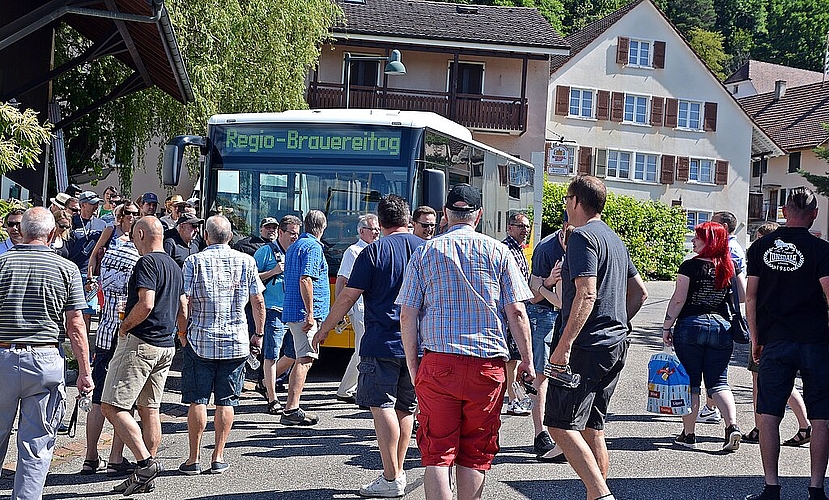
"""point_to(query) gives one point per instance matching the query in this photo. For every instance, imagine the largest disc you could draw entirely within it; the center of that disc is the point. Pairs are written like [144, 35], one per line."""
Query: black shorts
[586, 405]
[100, 365]
[385, 383]
[779, 364]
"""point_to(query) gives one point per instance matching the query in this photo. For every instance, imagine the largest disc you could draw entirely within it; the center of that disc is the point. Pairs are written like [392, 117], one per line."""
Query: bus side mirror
[434, 188]
[174, 154]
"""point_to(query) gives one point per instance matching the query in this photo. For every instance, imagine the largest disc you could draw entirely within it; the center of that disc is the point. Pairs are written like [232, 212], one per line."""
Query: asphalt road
[331, 460]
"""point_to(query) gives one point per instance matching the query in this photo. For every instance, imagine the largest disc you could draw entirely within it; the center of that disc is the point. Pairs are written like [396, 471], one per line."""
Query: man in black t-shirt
[144, 353]
[786, 310]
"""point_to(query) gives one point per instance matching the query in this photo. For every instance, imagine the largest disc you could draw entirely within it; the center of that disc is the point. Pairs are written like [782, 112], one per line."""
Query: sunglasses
[12, 224]
[425, 224]
[74, 210]
[129, 212]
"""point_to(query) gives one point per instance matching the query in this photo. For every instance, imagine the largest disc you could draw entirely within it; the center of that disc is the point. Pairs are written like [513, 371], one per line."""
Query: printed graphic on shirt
[783, 256]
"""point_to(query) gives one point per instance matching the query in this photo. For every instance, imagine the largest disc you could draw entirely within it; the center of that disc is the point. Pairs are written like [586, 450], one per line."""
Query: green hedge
[653, 232]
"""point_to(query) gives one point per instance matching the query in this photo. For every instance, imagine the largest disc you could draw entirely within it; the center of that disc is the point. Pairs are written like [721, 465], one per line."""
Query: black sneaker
[732, 438]
[686, 440]
[298, 417]
[140, 480]
[816, 493]
[546, 450]
[770, 492]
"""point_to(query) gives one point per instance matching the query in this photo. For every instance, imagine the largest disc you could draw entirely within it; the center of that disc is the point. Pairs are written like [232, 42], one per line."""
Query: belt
[15, 345]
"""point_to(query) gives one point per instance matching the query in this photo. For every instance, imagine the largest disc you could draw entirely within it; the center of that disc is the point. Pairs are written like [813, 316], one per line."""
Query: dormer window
[639, 53]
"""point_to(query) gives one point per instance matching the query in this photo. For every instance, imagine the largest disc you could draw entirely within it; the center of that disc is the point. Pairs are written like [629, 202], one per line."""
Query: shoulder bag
[739, 325]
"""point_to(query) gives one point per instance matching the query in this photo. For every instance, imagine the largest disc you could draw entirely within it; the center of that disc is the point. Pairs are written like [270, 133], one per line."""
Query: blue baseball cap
[149, 198]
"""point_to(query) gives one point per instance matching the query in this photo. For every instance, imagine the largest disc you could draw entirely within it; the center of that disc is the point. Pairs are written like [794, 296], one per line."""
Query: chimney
[779, 89]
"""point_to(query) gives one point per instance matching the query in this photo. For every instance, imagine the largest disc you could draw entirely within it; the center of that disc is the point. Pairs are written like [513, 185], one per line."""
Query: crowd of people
[557, 330]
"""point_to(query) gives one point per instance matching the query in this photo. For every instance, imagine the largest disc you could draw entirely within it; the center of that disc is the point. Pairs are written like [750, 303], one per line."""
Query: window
[470, 78]
[695, 217]
[365, 73]
[794, 162]
[701, 171]
[581, 103]
[645, 167]
[618, 164]
[639, 53]
[636, 109]
[689, 115]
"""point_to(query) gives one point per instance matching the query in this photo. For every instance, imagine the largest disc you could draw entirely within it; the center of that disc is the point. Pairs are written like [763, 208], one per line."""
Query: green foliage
[709, 46]
[580, 13]
[21, 138]
[653, 232]
[796, 34]
[820, 182]
[689, 14]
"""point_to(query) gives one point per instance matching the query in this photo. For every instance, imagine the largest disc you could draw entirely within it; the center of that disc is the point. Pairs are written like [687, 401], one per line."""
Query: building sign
[557, 159]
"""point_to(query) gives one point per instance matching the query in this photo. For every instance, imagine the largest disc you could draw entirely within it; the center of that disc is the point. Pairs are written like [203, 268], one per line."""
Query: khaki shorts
[302, 340]
[137, 373]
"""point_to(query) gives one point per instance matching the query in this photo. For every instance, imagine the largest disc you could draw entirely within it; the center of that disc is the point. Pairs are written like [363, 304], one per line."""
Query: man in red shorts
[459, 291]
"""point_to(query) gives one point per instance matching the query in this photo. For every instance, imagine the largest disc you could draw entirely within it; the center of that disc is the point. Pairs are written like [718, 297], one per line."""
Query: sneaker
[297, 417]
[732, 438]
[140, 480]
[686, 440]
[517, 409]
[189, 470]
[769, 493]
[219, 467]
[383, 488]
[546, 450]
[816, 493]
[709, 416]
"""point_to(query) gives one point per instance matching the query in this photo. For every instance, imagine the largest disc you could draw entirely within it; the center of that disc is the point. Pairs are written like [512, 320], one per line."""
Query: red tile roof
[763, 75]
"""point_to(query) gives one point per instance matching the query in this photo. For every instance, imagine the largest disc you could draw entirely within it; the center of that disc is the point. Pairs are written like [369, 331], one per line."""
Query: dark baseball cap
[463, 198]
[268, 221]
[149, 198]
[188, 219]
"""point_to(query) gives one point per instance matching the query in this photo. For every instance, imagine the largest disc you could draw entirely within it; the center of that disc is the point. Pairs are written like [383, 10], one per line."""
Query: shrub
[653, 232]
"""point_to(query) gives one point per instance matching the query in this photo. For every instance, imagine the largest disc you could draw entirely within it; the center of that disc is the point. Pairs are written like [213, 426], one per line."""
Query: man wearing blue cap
[148, 203]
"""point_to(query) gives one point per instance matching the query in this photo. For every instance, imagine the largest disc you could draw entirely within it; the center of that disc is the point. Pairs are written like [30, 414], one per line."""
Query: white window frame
[696, 177]
[698, 216]
[646, 173]
[614, 164]
[686, 122]
[581, 103]
[637, 100]
[635, 44]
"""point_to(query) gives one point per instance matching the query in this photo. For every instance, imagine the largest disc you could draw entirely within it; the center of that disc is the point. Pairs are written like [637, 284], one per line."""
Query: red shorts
[459, 399]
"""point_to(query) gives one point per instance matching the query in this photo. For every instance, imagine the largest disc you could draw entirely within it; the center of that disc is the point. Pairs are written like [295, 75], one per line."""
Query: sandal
[92, 466]
[802, 437]
[753, 437]
[125, 467]
[274, 407]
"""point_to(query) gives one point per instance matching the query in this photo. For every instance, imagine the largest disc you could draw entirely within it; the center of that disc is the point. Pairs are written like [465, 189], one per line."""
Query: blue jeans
[704, 346]
[542, 322]
[201, 377]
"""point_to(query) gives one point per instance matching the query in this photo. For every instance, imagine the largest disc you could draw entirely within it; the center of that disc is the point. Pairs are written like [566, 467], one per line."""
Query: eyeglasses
[64, 226]
[426, 224]
[73, 210]
[130, 212]
[375, 229]
[522, 226]
[13, 224]
[567, 197]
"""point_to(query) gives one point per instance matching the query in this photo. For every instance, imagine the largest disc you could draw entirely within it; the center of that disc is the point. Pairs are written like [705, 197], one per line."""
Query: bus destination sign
[298, 141]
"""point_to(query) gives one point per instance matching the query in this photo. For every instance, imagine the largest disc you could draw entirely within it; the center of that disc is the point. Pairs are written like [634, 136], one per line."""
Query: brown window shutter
[659, 55]
[667, 174]
[603, 105]
[622, 50]
[657, 110]
[562, 100]
[671, 111]
[683, 165]
[710, 124]
[617, 106]
[721, 174]
[585, 160]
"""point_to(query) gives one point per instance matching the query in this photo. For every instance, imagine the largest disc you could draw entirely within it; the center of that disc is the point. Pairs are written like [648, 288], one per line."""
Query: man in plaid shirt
[218, 282]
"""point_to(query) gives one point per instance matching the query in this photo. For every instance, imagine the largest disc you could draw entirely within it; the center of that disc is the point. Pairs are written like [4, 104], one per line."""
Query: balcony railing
[479, 112]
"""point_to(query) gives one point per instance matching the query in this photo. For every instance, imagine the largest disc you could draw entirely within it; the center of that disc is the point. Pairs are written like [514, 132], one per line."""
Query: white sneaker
[709, 416]
[383, 488]
[516, 408]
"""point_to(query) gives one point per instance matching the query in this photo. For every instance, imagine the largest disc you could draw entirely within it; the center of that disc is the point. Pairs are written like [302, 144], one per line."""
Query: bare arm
[519, 327]
[181, 319]
[257, 305]
[345, 300]
[675, 306]
[76, 331]
[751, 316]
[537, 285]
[140, 312]
[741, 288]
[579, 312]
[277, 269]
[636, 297]
[306, 290]
[408, 332]
[341, 283]
[94, 257]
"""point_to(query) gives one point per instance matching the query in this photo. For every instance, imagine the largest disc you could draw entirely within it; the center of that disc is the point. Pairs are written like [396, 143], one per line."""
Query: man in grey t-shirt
[602, 291]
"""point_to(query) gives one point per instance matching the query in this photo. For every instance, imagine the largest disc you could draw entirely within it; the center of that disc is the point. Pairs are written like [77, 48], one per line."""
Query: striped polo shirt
[36, 287]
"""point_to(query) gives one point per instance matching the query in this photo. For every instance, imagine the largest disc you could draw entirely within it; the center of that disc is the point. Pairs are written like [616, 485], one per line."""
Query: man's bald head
[148, 235]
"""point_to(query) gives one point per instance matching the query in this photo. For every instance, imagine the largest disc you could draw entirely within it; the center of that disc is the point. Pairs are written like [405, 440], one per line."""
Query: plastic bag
[669, 388]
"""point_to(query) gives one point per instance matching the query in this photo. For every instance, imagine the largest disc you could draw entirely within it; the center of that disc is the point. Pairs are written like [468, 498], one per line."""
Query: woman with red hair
[699, 311]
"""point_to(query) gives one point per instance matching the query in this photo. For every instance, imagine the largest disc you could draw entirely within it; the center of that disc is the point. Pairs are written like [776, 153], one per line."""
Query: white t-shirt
[347, 264]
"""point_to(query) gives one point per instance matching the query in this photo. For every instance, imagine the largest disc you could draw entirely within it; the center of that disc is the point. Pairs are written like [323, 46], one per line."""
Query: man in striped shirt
[41, 299]
[218, 282]
[459, 292]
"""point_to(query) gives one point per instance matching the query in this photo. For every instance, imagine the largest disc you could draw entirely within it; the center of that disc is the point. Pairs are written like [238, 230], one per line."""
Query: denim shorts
[779, 364]
[201, 377]
[275, 331]
[542, 324]
[385, 383]
[704, 346]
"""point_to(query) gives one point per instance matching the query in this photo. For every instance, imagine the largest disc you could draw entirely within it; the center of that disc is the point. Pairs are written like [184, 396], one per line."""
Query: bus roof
[412, 119]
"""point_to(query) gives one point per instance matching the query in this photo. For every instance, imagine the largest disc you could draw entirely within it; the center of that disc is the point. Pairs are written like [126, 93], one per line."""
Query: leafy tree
[21, 138]
[820, 182]
[580, 13]
[689, 14]
[796, 33]
[242, 56]
[739, 21]
[709, 46]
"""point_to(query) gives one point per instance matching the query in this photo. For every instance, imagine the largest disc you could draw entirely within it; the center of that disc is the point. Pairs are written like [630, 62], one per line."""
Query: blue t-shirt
[378, 271]
[267, 257]
[305, 258]
[545, 256]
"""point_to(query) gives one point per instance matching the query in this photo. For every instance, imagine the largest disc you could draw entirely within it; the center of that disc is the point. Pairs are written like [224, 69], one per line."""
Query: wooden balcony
[477, 112]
